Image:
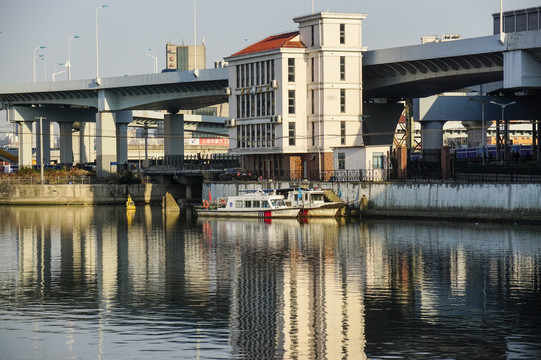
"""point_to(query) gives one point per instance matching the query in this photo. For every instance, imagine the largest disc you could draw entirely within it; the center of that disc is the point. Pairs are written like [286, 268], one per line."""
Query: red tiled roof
[287, 40]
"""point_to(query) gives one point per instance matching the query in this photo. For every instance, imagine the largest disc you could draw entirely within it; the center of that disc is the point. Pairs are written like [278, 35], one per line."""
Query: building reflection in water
[265, 289]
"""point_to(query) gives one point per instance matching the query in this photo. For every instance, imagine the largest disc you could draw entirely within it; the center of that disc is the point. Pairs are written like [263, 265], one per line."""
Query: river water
[98, 283]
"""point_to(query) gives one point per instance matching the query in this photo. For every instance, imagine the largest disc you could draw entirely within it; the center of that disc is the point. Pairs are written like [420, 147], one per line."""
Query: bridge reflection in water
[96, 282]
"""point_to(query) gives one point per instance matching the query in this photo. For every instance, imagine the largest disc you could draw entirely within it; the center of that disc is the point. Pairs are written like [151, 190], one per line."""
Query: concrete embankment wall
[77, 194]
[501, 201]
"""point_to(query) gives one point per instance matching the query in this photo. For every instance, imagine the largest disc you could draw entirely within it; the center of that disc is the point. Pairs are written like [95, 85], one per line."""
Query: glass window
[290, 70]
[342, 68]
[341, 161]
[313, 101]
[313, 133]
[291, 102]
[313, 69]
[342, 100]
[239, 204]
[377, 160]
[292, 133]
[312, 32]
[342, 132]
[342, 33]
[256, 203]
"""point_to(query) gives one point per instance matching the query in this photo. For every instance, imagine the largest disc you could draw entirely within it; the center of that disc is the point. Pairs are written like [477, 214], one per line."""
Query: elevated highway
[506, 64]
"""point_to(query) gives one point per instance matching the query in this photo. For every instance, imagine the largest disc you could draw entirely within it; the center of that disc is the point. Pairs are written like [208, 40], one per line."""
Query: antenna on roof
[312, 6]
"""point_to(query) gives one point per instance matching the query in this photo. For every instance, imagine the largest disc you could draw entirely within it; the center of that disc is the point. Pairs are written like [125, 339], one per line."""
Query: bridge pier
[105, 144]
[66, 143]
[432, 140]
[173, 144]
[475, 132]
[87, 135]
[122, 119]
[25, 143]
[44, 134]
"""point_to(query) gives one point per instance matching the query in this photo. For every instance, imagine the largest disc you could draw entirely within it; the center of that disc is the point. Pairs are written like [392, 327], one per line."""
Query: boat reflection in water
[78, 282]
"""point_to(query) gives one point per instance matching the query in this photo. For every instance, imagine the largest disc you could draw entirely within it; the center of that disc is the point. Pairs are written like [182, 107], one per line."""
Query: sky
[129, 28]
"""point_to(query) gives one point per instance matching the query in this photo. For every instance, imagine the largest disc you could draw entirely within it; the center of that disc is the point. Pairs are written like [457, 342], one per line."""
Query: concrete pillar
[431, 140]
[44, 134]
[173, 127]
[76, 148]
[25, 143]
[189, 192]
[87, 136]
[122, 143]
[105, 144]
[122, 119]
[475, 132]
[66, 143]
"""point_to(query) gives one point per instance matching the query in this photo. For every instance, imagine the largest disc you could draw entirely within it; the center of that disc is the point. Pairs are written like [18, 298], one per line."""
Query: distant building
[297, 96]
[518, 20]
[185, 57]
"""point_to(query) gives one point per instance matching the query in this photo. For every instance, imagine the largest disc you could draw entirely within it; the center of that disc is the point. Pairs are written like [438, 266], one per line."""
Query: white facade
[364, 157]
[296, 96]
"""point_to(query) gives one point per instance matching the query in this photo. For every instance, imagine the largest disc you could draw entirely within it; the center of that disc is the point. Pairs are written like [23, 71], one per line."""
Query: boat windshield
[278, 202]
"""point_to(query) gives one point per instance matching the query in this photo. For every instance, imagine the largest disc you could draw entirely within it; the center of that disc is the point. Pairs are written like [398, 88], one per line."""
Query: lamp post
[58, 72]
[34, 72]
[194, 40]
[97, 44]
[483, 130]
[155, 60]
[42, 58]
[68, 63]
[506, 132]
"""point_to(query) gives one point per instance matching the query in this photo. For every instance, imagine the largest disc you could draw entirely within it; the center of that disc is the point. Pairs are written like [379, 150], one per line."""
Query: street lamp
[68, 63]
[483, 133]
[97, 47]
[506, 132]
[155, 61]
[58, 72]
[36, 49]
[42, 58]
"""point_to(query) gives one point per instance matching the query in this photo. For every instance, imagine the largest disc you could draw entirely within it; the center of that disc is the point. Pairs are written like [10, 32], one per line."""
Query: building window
[238, 76]
[312, 34]
[342, 33]
[313, 101]
[377, 160]
[290, 70]
[313, 134]
[342, 133]
[341, 161]
[291, 102]
[342, 68]
[292, 134]
[342, 100]
[313, 69]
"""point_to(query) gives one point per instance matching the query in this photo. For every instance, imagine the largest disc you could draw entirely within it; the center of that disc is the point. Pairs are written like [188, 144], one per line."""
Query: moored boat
[250, 204]
[313, 203]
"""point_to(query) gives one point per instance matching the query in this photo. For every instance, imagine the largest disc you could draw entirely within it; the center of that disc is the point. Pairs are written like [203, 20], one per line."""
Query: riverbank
[515, 202]
[79, 194]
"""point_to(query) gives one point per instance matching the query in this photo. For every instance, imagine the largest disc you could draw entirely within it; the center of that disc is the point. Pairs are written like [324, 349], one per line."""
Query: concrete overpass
[508, 63]
[109, 104]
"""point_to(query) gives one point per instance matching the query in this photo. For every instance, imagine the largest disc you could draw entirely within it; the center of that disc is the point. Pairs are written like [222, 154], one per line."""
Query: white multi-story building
[297, 96]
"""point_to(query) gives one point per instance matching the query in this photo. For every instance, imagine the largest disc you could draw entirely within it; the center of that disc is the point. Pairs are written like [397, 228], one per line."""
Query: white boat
[313, 203]
[250, 204]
